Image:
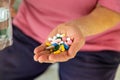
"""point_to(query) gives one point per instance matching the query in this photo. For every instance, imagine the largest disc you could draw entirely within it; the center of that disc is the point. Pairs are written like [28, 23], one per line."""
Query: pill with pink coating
[69, 42]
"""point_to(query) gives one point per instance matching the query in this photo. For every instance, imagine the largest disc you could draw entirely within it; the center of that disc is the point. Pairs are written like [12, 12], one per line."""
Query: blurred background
[52, 71]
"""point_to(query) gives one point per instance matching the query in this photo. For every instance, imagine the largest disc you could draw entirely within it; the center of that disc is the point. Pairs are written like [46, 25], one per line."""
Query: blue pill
[55, 44]
[66, 46]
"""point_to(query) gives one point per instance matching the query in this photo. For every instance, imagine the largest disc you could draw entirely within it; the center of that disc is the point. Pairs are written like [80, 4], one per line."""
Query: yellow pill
[62, 48]
[63, 35]
[57, 52]
[47, 43]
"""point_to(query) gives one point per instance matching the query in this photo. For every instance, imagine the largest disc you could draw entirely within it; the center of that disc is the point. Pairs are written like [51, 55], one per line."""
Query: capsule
[66, 46]
[62, 48]
[50, 47]
[47, 43]
[57, 52]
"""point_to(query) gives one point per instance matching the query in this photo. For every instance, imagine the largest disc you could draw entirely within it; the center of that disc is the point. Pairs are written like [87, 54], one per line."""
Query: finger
[39, 48]
[36, 56]
[45, 59]
[63, 56]
[75, 46]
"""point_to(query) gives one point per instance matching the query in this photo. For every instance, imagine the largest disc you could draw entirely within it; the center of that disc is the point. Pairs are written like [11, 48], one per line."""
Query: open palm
[43, 55]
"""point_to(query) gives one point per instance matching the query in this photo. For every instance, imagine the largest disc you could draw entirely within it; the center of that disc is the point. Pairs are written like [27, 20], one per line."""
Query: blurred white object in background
[5, 24]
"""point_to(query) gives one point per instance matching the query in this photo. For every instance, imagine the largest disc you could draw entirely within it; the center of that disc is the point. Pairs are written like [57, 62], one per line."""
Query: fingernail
[35, 59]
[40, 61]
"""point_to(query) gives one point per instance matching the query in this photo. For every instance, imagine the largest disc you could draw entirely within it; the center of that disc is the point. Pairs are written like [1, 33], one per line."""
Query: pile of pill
[58, 43]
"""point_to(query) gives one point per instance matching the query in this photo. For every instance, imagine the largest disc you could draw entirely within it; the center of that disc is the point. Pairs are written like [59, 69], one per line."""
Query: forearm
[100, 20]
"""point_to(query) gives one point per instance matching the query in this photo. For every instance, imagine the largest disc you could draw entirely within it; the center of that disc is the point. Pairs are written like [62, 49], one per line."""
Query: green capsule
[59, 37]
[56, 48]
